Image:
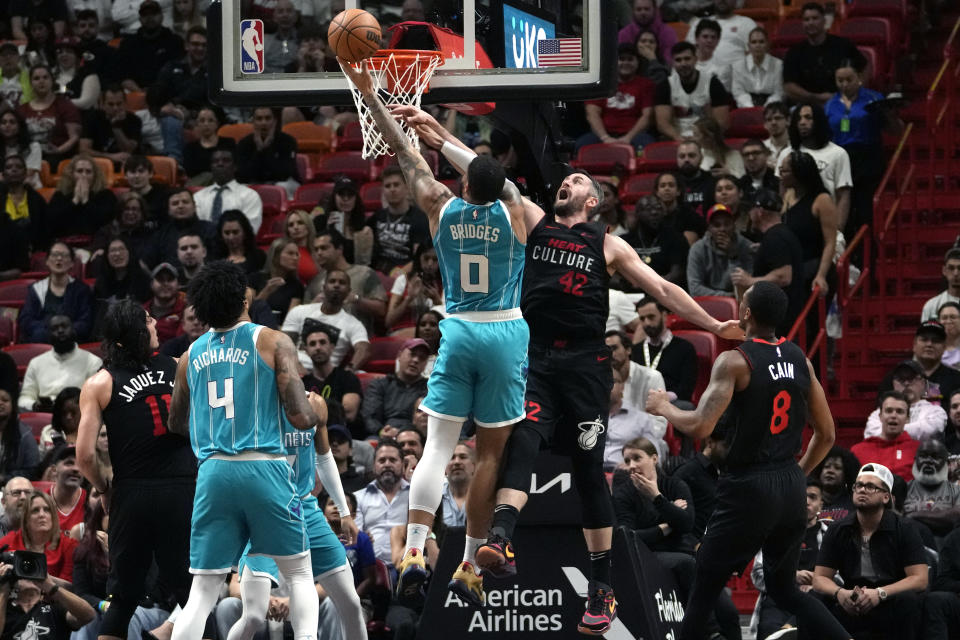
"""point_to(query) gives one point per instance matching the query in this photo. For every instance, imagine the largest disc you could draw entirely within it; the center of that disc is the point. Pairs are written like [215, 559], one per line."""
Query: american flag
[559, 52]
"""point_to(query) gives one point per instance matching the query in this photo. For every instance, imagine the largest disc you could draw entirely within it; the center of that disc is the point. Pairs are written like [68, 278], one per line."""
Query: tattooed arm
[730, 371]
[429, 194]
[178, 421]
[293, 396]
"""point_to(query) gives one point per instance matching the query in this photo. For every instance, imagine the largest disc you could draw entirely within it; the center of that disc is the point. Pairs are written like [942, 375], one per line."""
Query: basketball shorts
[481, 370]
[568, 397]
[245, 501]
[326, 550]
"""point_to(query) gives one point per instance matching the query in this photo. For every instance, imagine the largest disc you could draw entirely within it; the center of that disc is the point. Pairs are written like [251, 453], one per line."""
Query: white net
[400, 78]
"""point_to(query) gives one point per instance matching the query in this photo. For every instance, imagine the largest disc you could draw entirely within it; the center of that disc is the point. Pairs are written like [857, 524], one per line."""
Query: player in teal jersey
[329, 560]
[231, 388]
[481, 367]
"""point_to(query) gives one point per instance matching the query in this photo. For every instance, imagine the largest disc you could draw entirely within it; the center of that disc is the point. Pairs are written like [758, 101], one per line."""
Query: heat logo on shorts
[251, 46]
[589, 434]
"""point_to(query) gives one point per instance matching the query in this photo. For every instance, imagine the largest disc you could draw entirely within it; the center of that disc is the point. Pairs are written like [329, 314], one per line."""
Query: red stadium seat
[735, 143]
[868, 31]
[720, 307]
[164, 169]
[383, 354]
[657, 157]
[22, 354]
[315, 192]
[237, 131]
[272, 195]
[304, 169]
[761, 10]
[350, 138]
[43, 485]
[707, 346]
[36, 421]
[895, 9]
[271, 229]
[385, 280]
[789, 33]
[878, 67]
[606, 158]
[310, 137]
[636, 186]
[367, 378]
[747, 123]
[8, 330]
[13, 293]
[347, 163]
[370, 195]
[95, 348]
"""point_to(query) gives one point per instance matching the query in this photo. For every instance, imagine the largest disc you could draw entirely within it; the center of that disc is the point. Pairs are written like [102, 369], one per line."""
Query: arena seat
[46, 175]
[8, 330]
[606, 158]
[722, 308]
[304, 170]
[164, 169]
[707, 346]
[272, 195]
[36, 420]
[13, 293]
[789, 33]
[657, 157]
[316, 193]
[366, 378]
[636, 186]
[237, 131]
[370, 193]
[872, 30]
[383, 354]
[310, 137]
[760, 10]
[105, 164]
[42, 485]
[347, 163]
[271, 229]
[385, 280]
[22, 354]
[96, 348]
[136, 100]
[46, 192]
[747, 123]
[351, 137]
[896, 9]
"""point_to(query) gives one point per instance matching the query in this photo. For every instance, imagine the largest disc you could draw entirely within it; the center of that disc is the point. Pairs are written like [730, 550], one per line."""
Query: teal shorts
[481, 370]
[238, 502]
[326, 550]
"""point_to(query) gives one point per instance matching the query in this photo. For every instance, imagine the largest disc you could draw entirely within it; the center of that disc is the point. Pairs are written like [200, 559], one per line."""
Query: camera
[27, 565]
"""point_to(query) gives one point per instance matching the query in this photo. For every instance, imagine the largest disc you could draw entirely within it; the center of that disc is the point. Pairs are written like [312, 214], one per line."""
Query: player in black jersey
[154, 471]
[761, 500]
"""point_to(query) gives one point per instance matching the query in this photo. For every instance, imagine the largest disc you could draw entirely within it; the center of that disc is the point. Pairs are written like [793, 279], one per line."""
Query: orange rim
[404, 58]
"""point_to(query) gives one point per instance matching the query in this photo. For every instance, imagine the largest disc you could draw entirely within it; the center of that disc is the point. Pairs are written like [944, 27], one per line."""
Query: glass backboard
[494, 50]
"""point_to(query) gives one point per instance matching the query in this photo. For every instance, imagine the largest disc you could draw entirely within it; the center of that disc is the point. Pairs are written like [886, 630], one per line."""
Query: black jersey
[136, 419]
[565, 282]
[769, 415]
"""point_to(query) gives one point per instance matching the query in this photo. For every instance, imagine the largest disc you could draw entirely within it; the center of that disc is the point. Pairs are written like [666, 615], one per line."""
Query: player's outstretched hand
[426, 126]
[348, 530]
[360, 77]
[657, 399]
[730, 330]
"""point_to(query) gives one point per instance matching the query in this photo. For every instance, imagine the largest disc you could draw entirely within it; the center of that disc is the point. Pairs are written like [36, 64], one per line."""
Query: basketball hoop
[400, 76]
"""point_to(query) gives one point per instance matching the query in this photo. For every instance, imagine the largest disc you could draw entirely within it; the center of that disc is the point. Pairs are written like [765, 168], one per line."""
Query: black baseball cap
[768, 200]
[64, 453]
[932, 327]
[150, 6]
[910, 367]
[338, 430]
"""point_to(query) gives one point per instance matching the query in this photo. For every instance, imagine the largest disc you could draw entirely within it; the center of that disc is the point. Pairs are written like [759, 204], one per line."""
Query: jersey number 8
[469, 283]
[225, 401]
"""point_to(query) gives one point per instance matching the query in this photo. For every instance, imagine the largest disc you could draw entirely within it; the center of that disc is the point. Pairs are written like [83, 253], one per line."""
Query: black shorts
[568, 397]
[757, 509]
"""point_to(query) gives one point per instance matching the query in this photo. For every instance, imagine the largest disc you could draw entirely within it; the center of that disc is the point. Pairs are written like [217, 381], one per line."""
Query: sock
[505, 518]
[470, 551]
[600, 566]
[417, 536]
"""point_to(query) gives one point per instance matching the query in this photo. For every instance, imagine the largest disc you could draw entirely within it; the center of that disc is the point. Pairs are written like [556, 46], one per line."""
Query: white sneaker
[786, 632]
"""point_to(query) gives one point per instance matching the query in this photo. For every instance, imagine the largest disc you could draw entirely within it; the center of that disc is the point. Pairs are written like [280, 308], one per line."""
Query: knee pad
[520, 454]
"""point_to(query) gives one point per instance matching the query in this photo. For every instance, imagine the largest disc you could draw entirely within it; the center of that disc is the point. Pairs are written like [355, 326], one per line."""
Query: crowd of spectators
[339, 276]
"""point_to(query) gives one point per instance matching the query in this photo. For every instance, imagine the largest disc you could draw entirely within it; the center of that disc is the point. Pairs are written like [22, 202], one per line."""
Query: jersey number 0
[469, 283]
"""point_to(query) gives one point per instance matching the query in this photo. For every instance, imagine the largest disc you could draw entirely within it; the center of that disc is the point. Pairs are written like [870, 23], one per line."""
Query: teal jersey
[481, 259]
[300, 454]
[234, 404]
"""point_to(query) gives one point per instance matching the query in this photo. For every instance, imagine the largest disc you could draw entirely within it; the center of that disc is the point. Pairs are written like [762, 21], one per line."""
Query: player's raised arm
[429, 194]
[178, 421]
[293, 395]
[623, 258]
[824, 430]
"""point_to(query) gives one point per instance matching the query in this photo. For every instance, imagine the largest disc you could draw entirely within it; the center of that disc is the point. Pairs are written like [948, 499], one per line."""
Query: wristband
[330, 477]
[458, 156]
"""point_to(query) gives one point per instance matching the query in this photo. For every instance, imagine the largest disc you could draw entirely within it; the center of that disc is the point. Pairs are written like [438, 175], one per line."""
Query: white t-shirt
[834, 165]
[734, 37]
[932, 306]
[732, 162]
[622, 311]
[352, 331]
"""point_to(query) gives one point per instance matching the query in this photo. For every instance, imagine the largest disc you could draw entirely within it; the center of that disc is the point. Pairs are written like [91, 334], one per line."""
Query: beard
[569, 208]
[688, 169]
[929, 475]
[869, 509]
[388, 478]
[63, 346]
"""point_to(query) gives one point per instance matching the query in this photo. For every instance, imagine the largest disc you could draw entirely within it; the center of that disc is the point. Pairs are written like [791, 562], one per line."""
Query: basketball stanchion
[400, 76]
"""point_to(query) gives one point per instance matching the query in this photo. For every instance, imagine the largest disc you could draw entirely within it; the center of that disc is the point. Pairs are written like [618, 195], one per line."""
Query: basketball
[354, 34]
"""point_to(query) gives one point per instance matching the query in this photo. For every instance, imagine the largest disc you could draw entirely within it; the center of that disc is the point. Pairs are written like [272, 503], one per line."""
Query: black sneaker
[496, 558]
[601, 610]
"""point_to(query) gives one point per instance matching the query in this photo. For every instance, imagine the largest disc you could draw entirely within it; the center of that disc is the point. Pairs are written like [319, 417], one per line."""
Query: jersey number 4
[225, 401]
[474, 273]
[780, 418]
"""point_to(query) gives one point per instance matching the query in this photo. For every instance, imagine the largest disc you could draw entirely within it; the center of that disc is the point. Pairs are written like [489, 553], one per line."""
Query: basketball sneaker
[496, 558]
[601, 610]
[412, 573]
[467, 585]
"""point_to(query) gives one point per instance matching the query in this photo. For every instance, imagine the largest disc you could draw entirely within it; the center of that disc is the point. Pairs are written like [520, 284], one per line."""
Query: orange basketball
[354, 34]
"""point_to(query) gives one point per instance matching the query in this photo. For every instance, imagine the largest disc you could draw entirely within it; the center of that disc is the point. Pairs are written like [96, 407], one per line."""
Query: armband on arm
[458, 156]
[330, 478]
